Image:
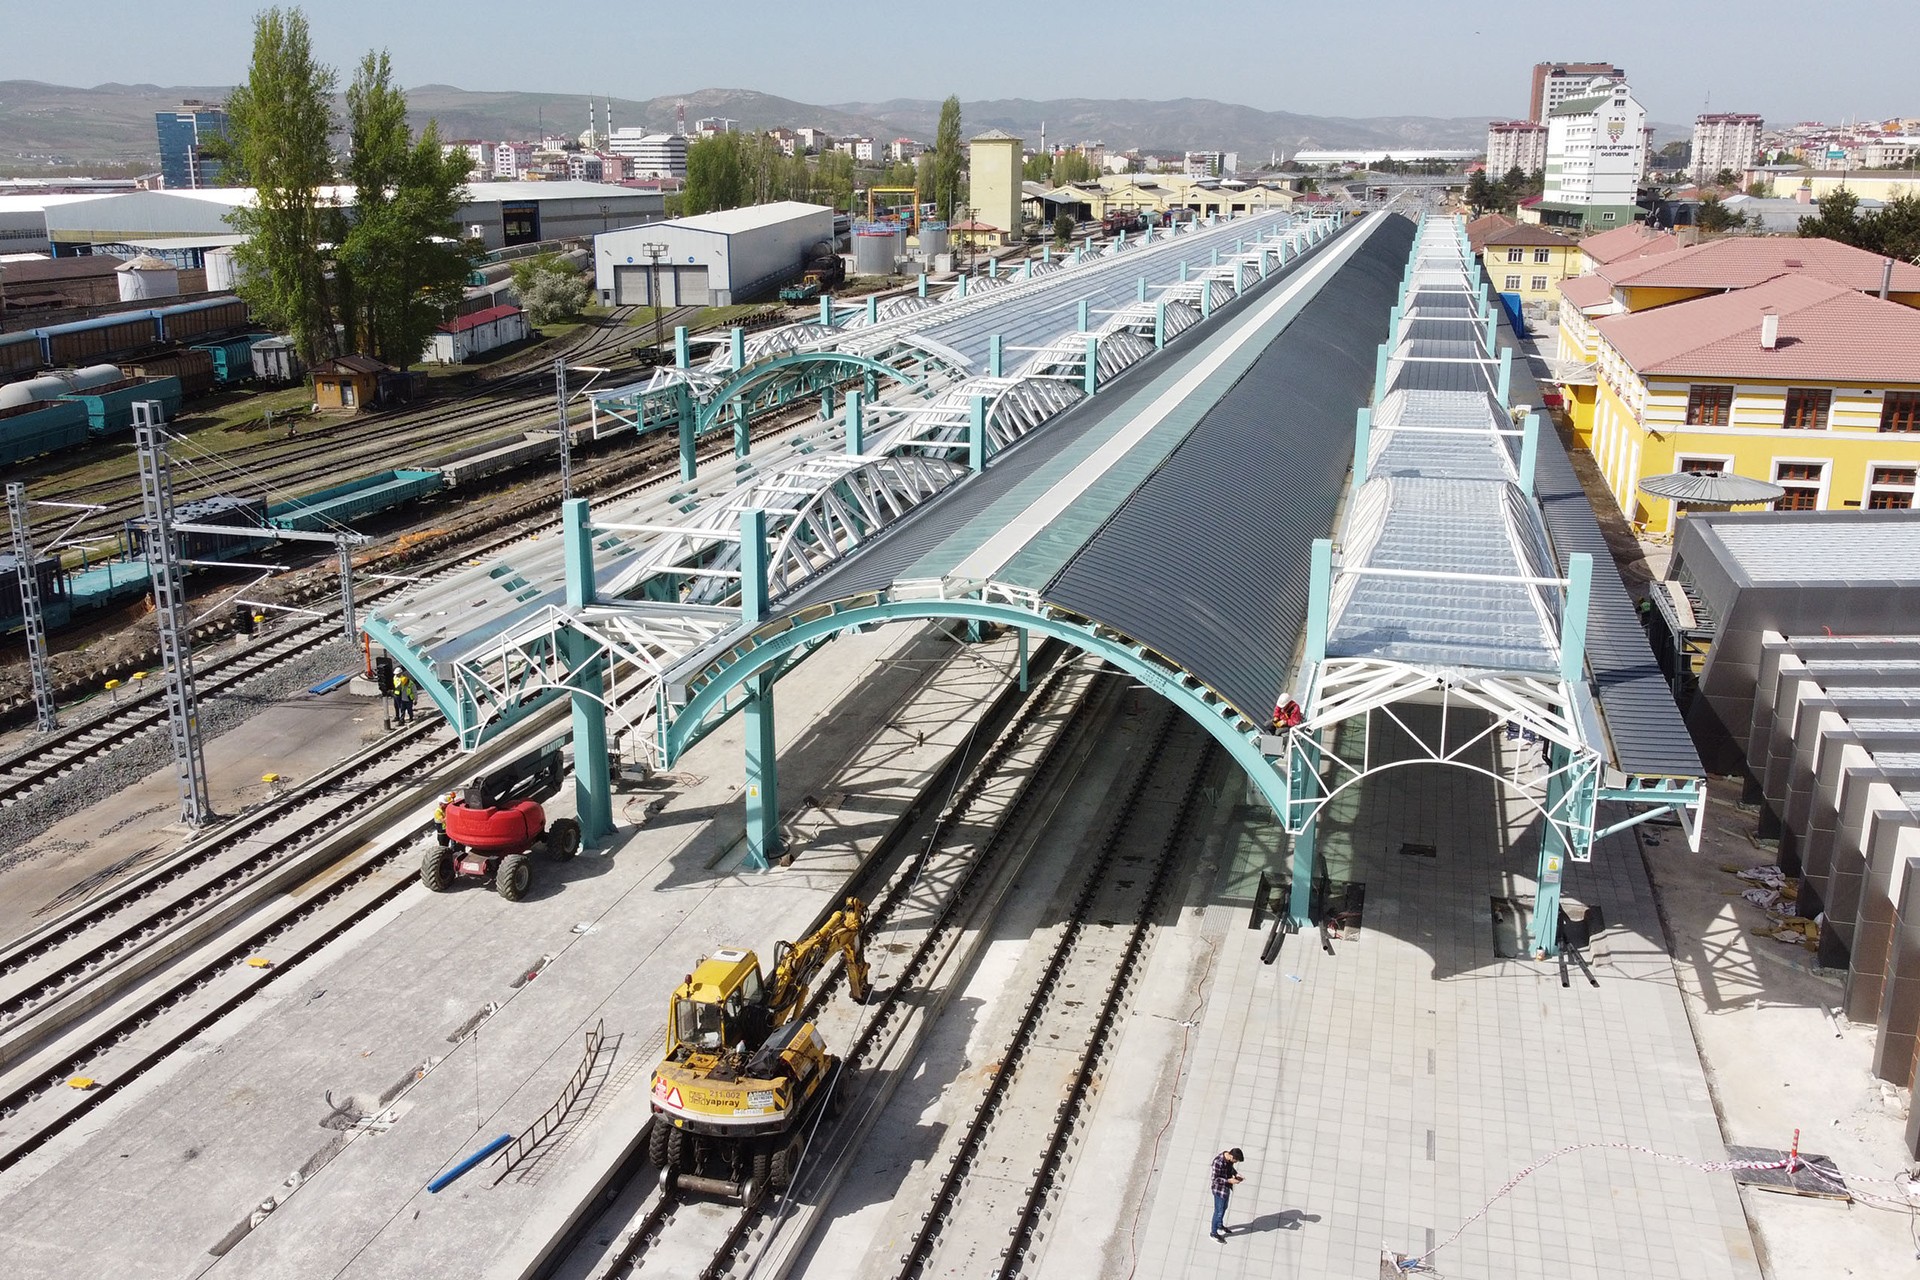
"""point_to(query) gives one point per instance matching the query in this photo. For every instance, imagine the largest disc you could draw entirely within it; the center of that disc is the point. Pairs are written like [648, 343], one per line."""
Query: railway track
[922, 907]
[500, 406]
[49, 757]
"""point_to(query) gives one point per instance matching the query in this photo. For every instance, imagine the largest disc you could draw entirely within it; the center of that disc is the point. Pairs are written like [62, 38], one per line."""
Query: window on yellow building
[1516, 255]
[1900, 411]
[1709, 406]
[1543, 255]
[1539, 284]
[1891, 489]
[1807, 408]
[1801, 480]
[1513, 282]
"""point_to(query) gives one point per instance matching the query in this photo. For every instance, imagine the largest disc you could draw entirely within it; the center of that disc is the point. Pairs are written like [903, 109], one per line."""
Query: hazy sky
[1810, 59]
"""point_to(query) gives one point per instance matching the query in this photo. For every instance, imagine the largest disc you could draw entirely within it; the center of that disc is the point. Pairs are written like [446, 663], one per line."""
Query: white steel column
[176, 645]
[32, 623]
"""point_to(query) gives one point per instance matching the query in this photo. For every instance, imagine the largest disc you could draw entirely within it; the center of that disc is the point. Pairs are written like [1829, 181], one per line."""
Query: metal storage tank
[94, 375]
[933, 239]
[48, 386]
[875, 247]
[148, 277]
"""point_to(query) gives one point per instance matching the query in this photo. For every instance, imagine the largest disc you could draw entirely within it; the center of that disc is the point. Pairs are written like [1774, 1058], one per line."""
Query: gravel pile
[122, 768]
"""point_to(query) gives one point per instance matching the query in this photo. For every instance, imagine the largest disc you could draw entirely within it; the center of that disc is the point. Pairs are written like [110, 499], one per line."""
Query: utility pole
[176, 644]
[566, 436]
[32, 622]
[654, 251]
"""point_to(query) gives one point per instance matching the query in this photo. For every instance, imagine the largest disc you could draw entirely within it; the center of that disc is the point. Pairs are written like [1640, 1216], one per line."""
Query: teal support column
[977, 434]
[1206, 299]
[1160, 325]
[583, 655]
[826, 403]
[1529, 452]
[682, 355]
[856, 425]
[742, 430]
[1215, 261]
[1084, 312]
[873, 308]
[960, 290]
[1140, 289]
[1506, 375]
[1021, 636]
[1183, 271]
[762, 764]
[826, 312]
[1092, 383]
[1266, 263]
[993, 268]
[1319, 600]
[1493, 326]
[1573, 618]
[737, 347]
[1302, 776]
[1122, 241]
[1380, 373]
[1362, 445]
[1553, 856]
[1046, 254]
[1394, 315]
[923, 284]
[689, 443]
[996, 356]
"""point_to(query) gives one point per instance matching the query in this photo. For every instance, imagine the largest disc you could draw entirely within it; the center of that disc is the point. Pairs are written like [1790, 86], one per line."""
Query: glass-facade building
[182, 134]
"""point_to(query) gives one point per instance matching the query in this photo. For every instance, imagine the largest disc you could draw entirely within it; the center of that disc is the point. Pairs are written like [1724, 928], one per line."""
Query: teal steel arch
[698, 717]
[748, 379]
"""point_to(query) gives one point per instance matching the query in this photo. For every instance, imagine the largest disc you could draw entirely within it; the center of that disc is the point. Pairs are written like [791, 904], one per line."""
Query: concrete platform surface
[1386, 1093]
[461, 1016]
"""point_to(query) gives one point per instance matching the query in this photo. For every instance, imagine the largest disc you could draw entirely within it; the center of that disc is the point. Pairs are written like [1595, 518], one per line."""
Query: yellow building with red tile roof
[1798, 380]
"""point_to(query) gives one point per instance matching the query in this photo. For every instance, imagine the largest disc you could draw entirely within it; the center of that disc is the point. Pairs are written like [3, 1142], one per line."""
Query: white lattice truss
[527, 661]
[1355, 688]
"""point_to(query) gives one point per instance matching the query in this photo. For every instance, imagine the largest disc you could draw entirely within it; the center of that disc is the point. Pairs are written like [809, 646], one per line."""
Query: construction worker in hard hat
[440, 818]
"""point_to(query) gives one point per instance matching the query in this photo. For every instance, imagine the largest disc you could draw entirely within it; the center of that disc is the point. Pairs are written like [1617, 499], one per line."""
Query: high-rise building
[1596, 153]
[183, 134]
[1555, 82]
[482, 157]
[511, 160]
[1724, 141]
[658, 155]
[1515, 144]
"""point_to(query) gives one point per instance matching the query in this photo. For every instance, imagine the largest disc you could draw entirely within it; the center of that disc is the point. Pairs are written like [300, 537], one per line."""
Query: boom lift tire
[513, 877]
[436, 868]
[562, 839]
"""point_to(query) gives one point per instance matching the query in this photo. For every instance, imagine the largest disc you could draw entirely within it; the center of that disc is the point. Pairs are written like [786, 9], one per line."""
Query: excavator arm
[797, 964]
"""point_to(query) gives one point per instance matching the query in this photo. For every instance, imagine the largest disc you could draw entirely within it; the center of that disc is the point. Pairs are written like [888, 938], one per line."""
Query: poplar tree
[277, 128]
[404, 260]
[947, 160]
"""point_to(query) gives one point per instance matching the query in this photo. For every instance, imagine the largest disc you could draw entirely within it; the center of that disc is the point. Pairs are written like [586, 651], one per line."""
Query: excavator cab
[720, 1008]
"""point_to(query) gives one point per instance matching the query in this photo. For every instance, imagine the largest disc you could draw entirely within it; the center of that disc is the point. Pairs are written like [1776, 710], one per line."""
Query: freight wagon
[194, 369]
[99, 339]
[188, 322]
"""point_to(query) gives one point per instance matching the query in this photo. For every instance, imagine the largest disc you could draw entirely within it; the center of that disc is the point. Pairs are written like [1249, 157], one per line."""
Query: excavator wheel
[658, 1139]
[786, 1162]
[762, 1176]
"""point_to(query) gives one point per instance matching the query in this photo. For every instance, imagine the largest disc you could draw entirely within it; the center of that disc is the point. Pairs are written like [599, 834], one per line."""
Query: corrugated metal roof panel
[1228, 521]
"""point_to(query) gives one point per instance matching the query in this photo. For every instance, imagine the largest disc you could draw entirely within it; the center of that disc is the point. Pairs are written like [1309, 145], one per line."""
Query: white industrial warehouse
[180, 226]
[711, 259]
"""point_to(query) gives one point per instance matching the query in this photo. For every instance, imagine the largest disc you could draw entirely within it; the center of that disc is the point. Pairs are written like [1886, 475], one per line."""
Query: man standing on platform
[1224, 1180]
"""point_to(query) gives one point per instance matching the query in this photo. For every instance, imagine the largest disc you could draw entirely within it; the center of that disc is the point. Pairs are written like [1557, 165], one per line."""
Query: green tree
[1897, 226]
[403, 262]
[715, 175]
[1714, 217]
[550, 288]
[1072, 166]
[947, 158]
[1838, 219]
[1063, 228]
[1725, 178]
[1512, 187]
[1481, 195]
[1038, 169]
[278, 122]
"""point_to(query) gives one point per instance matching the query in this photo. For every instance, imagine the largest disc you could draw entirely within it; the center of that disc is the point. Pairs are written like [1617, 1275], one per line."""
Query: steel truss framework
[1454, 440]
[695, 575]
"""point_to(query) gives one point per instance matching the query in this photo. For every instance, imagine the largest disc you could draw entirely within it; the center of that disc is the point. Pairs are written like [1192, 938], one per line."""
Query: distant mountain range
[43, 125]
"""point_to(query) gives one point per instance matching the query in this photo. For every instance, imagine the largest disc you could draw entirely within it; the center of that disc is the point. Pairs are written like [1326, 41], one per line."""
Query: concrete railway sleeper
[1060, 1019]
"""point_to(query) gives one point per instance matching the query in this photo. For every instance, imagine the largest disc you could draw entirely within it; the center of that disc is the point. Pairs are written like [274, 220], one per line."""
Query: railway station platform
[1387, 1085]
[324, 1107]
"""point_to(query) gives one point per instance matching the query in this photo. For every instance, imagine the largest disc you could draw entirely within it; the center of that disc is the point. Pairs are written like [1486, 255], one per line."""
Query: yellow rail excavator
[744, 1074]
